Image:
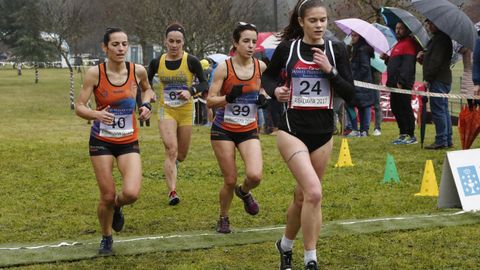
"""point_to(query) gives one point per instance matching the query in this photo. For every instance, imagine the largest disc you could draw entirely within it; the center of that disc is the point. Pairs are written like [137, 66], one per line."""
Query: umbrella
[388, 33]
[449, 19]
[376, 62]
[393, 15]
[217, 57]
[372, 35]
[267, 42]
[468, 126]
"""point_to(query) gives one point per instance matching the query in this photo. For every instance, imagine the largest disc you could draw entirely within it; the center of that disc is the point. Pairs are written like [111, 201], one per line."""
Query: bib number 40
[118, 122]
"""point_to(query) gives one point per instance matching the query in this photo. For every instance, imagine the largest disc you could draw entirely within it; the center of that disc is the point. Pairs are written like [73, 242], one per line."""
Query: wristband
[192, 91]
[147, 105]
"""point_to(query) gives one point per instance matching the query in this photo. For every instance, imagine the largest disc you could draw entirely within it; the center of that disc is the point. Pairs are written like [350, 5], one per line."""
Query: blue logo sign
[469, 179]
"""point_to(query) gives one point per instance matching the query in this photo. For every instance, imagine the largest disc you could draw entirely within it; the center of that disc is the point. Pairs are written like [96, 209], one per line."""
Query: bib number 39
[240, 114]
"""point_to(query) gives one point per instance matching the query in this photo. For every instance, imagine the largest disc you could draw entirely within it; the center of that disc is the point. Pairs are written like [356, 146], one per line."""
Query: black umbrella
[393, 15]
[449, 19]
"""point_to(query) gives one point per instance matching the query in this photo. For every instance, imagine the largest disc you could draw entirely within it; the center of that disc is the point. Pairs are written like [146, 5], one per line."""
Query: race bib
[171, 96]
[240, 113]
[311, 92]
[243, 111]
[122, 126]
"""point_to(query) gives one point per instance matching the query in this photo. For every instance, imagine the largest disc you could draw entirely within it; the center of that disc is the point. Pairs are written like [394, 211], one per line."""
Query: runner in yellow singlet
[176, 70]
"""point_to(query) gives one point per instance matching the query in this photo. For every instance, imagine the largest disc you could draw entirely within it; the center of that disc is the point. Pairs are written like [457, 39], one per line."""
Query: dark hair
[293, 29]
[408, 31]
[242, 26]
[176, 26]
[109, 31]
[362, 45]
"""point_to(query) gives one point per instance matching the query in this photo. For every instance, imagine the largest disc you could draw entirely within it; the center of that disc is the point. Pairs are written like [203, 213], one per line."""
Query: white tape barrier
[412, 92]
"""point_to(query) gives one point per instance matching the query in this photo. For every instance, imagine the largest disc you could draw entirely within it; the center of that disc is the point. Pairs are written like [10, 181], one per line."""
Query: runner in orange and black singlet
[235, 94]
[114, 132]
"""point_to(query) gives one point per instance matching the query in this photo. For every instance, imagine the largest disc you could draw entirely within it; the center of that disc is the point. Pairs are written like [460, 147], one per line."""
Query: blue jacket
[476, 63]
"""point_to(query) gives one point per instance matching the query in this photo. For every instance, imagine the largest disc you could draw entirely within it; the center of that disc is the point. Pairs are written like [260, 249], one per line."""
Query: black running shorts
[99, 148]
[220, 134]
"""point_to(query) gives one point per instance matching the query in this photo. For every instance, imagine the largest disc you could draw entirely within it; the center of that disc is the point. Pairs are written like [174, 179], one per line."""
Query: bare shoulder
[92, 76]
[263, 66]
[139, 69]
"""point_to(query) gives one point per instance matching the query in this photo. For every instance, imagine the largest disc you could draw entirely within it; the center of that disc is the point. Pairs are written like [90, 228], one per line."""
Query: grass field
[49, 194]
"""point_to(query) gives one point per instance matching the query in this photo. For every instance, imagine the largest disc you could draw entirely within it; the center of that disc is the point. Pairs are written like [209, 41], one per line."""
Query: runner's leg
[103, 166]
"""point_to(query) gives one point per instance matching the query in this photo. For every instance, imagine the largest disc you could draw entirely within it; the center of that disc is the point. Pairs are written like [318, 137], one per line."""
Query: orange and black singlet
[121, 99]
[240, 116]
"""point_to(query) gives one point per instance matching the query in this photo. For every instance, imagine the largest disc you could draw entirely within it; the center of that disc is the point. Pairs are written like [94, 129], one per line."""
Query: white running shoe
[377, 132]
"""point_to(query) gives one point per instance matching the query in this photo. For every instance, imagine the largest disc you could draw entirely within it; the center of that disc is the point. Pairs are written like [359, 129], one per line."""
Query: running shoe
[401, 139]
[311, 265]
[377, 132]
[285, 257]
[173, 199]
[353, 134]
[106, 245]
[363, 134]
[118, 219]
[411, 140]
[223, 225]
[249, 202]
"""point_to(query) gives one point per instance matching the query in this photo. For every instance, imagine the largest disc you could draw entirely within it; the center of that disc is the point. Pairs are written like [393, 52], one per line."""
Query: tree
[64, 20]
[473, 10]
[21, 31]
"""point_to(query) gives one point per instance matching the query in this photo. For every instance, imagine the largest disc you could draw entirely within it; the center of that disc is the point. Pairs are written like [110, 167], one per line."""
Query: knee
[313, 197]
[171, 151]
[130, 196]
[254, 178]
[230, 181]
[107, 198]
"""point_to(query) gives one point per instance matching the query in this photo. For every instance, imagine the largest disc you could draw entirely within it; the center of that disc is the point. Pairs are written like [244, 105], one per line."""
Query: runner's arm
[196, 68]
[145, 110]
[153, 69]
[271, 75]
[81, 109]
[343, 83]
[213, 98]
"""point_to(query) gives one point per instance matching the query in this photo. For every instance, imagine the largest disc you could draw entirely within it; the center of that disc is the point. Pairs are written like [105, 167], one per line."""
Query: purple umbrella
[370, 33]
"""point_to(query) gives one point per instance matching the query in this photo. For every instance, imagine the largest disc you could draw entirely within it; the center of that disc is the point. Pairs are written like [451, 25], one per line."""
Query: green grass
[49, 193]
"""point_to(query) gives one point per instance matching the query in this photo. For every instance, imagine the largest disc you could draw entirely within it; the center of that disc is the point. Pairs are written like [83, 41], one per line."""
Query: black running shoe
[285, 257]
[106, 245]
[311, 265]
[118, 219]
[173, 198]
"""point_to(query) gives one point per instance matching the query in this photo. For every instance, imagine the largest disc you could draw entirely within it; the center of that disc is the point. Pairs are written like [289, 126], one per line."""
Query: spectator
[438, 78]
[476, 68]
[361, 71]
[377, 79]
[401, 74]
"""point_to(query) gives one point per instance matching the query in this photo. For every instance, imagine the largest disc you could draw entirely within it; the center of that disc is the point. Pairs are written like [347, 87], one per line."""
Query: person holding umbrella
[438, 77]
[401, 74]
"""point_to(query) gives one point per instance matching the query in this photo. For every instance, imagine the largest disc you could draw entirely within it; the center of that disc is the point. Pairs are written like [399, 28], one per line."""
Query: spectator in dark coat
[476, 68]
[361, 71]
[438, 77]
